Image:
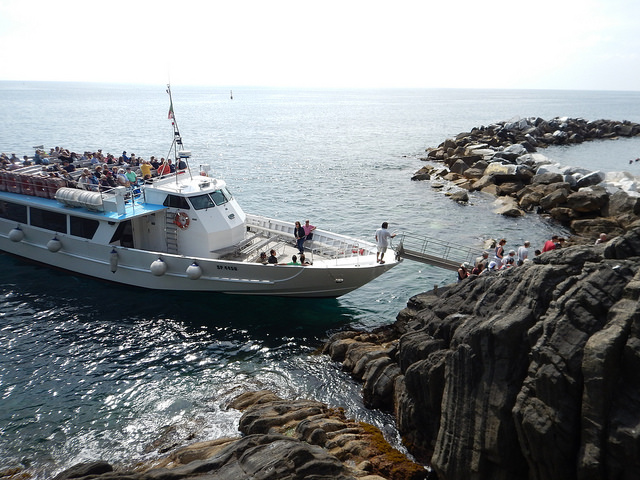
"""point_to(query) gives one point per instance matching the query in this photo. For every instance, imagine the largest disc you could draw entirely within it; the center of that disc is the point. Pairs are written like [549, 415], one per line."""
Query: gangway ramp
[433, 251]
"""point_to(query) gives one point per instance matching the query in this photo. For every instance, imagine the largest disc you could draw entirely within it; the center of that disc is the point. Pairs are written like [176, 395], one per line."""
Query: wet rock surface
[282, 439]
[529, 373]
[501, 159]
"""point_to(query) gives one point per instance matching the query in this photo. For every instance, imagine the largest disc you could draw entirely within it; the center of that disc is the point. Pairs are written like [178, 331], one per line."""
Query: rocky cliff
[528, 373]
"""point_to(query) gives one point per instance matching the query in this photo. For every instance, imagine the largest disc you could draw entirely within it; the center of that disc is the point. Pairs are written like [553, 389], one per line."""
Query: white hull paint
[326, 278]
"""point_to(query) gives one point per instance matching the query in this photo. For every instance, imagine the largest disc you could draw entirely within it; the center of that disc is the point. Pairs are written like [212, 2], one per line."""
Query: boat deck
[324, 250]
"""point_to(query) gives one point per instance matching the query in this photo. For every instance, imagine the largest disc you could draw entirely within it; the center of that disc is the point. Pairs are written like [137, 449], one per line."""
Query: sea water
[90, 370]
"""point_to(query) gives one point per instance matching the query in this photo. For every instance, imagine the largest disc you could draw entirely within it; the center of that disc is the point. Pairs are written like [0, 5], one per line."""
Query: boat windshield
[200, 202]
[210, 200]
[219, 197]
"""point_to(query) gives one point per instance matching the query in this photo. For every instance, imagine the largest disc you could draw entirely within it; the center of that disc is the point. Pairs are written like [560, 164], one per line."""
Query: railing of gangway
[415, 246]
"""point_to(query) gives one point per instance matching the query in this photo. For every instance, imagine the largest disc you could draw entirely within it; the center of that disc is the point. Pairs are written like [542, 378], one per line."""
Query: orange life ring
[181, 219]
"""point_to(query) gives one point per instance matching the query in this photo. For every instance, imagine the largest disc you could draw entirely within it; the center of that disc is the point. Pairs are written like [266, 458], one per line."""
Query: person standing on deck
[382, 238]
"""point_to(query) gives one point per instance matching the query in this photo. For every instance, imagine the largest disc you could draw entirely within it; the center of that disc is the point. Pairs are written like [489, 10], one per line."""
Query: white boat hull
[133, 267]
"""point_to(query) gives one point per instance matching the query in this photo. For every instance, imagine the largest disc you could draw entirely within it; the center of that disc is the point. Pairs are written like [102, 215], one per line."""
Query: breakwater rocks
[282, 440]
[501, 159]
[529, 373]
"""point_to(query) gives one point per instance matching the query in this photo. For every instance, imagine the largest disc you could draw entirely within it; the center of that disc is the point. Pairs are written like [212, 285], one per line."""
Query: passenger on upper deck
[132, 177]
[164, 169]
[122, 179]
[145, 168]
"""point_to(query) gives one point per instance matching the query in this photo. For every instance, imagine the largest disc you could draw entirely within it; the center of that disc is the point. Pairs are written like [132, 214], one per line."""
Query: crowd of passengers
[502, 260]
[93, 171]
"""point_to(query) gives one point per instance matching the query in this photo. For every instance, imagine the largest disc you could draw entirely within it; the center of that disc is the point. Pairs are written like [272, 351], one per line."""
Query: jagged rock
[421, 176]
[555, 199]
[509, 208]
[593, 178]
[621, 203]
[563, 214]
[85, 469]
[509, 188]
[588, 200]
[290, 440]
[530, 373]
[547, 178]
[460, 196]
[592, 227]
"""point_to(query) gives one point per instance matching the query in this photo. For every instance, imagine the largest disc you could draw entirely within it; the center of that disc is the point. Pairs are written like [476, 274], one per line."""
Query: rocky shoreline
[281, 439]
[528, 373]
[501, 159]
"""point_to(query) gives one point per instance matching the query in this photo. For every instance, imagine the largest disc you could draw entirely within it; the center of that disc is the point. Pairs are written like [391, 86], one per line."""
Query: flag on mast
[170, 116]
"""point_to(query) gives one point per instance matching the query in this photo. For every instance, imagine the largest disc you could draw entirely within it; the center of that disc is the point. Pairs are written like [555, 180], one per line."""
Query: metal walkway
[434, 252]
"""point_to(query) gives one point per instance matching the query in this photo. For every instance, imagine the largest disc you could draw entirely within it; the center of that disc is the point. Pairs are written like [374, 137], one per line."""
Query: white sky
[557, 44]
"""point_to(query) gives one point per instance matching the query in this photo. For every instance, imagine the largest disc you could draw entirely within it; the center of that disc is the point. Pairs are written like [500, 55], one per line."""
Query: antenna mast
[179, 154]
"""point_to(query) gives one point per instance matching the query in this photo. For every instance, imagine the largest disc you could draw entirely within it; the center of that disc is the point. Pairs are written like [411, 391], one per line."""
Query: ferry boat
[180, 231]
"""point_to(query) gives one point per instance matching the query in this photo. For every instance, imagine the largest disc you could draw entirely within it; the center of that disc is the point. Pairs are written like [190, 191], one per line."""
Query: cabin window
[13, 211]
[200, 202]
[175, 201]
[123, 234]
[83, 227]
[219, 197]
[54, 221]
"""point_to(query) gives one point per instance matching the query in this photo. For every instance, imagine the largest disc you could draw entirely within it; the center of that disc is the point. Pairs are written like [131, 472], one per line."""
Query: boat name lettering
[227, 267]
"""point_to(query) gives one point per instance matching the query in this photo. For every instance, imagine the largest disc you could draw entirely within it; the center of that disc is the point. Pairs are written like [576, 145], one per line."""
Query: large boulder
[588, 200]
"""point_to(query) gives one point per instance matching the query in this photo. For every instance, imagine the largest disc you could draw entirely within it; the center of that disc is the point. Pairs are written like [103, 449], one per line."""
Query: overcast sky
[556, 44]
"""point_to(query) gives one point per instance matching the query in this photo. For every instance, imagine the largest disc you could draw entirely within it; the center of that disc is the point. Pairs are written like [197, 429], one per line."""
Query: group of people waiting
[502, 259]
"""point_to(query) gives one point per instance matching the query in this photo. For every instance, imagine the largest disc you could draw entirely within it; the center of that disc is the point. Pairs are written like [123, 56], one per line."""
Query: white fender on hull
[158, 267]
[113, 260]
[194, 271]
[54, 245]
[16, 234]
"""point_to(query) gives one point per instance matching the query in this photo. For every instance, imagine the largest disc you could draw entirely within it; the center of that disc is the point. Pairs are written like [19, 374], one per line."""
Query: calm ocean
[91, 370]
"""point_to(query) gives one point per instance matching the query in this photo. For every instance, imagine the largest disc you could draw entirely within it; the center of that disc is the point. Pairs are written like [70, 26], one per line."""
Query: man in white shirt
[523, 252]
[382, 238]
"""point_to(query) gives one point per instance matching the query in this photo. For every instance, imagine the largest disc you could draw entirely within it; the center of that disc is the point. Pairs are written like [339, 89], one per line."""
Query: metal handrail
[435, 248]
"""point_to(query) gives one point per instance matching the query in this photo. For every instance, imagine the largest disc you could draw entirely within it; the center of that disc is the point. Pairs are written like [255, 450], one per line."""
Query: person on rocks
[509, 258]
[550, 244]
[463, 271]
[382, 238]
[482, 259]
[523, 252]
[602, 239]
[478, 269]
[509, 262]
[498, 253]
